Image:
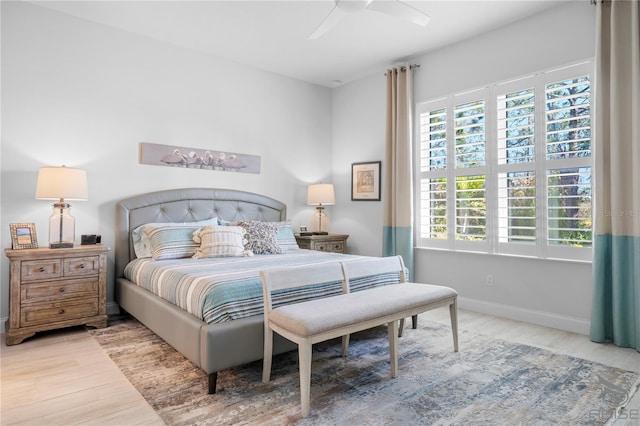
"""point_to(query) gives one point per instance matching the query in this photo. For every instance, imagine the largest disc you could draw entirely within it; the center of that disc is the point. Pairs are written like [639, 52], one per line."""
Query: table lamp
[61, 183]
[320, 195]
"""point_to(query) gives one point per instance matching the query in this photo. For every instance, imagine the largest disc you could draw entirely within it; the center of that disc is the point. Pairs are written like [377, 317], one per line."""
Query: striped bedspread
[224, 289]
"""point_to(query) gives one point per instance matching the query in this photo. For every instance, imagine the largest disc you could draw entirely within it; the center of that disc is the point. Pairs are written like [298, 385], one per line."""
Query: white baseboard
[547, 319]
[4, 321]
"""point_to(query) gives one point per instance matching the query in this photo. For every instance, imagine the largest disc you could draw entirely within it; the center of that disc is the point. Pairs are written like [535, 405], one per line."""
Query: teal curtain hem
[615, 313]
[399, 241]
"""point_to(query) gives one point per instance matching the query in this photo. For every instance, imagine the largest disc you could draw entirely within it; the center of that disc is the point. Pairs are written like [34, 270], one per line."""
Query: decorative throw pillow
[286, 239]
[141, 243]
[262, 236]
[220, 241]
[171, 241]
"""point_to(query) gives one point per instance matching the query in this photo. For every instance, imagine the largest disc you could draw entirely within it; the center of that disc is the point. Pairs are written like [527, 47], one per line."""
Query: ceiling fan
[388, 7]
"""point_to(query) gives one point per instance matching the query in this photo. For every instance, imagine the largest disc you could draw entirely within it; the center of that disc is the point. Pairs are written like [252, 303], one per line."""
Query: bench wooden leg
[392, 329]
[304, 355]
[268, 355]
[414, 324]
[345, 345]
[453, 311]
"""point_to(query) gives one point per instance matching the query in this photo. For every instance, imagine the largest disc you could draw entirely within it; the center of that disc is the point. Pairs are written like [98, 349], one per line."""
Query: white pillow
[141, 243]
[220, 241]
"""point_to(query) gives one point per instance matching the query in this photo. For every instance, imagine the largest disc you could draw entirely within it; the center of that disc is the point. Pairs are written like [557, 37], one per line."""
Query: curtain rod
[412, 66]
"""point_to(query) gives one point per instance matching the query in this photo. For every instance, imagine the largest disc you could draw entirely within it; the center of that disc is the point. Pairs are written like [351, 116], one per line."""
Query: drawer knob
[41, 269]
[61, 311]
[82, 266]
[61, 289]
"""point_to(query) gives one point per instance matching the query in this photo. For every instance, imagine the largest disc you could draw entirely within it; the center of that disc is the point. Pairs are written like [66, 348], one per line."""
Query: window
[507, 168]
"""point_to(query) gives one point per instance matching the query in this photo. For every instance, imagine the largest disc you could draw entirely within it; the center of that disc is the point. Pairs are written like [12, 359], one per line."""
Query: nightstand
[334, 243]
[56, 288]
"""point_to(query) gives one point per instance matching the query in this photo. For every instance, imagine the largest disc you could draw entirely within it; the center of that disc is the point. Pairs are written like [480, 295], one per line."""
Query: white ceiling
[272, 35]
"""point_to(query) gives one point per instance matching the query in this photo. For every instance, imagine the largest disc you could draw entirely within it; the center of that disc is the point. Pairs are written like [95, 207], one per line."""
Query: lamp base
[320, 222]
[60, 245]
[61, 226]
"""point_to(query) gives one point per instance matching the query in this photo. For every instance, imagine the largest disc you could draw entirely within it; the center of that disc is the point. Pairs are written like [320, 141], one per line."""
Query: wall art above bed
[197, 158]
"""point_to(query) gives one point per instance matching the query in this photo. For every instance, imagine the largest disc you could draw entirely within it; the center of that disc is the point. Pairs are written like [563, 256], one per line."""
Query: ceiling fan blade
[400, 10]
[332, 19]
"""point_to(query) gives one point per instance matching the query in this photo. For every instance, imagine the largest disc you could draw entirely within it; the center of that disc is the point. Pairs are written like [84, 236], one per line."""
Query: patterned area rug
[488, 382]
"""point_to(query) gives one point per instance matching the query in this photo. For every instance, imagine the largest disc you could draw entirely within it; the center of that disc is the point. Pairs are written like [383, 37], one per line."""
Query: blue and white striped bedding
[224, 289]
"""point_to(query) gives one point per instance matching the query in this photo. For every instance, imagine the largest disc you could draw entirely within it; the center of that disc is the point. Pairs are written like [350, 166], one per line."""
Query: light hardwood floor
[64, 378]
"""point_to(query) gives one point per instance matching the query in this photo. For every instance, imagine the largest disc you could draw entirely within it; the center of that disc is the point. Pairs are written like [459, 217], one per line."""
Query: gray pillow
[262, 236]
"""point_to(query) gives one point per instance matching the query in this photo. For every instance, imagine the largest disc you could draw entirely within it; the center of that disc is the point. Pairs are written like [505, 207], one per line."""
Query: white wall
[358, 136]
[541, 291]
[85, 95]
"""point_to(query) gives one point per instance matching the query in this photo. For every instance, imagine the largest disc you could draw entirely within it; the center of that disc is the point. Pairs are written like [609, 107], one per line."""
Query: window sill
[506, 255]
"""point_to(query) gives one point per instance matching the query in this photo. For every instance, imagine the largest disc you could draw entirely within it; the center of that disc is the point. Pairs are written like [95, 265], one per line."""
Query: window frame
[492, 169]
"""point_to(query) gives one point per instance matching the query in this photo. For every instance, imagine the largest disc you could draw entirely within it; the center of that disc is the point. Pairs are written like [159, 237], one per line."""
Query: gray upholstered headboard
[187, 205]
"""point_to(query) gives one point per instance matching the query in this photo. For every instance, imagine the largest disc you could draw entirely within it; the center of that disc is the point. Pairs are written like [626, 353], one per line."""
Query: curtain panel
[398, 167]
[615, 314]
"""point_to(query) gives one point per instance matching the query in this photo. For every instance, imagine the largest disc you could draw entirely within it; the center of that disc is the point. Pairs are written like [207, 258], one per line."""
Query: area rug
[488, 382]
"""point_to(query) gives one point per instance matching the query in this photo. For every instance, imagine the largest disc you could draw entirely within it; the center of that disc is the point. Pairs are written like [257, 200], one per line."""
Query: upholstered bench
[318, 320]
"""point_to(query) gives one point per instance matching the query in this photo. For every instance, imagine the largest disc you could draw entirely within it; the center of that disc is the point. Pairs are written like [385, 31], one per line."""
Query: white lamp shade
[321, 194]
[55, 183]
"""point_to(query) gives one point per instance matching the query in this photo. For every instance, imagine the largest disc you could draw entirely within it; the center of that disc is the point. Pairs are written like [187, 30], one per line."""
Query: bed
[225, 340]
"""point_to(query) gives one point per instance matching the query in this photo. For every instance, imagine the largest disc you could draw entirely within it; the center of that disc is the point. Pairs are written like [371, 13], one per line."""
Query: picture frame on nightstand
[304, 231]
[23, 236]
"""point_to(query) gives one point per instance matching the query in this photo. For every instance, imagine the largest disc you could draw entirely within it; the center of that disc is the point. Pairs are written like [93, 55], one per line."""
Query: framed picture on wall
[365, 181]
[23, 236]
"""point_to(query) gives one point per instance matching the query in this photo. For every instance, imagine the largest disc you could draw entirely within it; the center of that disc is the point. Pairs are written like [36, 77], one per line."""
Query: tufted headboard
[187, 205]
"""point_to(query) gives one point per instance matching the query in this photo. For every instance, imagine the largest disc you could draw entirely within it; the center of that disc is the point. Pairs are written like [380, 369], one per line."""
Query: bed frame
[212, 347]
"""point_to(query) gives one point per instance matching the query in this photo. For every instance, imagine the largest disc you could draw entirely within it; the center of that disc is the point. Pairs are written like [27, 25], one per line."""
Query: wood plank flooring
[64, 378]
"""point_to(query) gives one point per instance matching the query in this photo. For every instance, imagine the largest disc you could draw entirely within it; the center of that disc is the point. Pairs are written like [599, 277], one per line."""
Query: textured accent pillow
[141, 243]
[171, 241]
[262, 236]
[286, 239]
[220, 241]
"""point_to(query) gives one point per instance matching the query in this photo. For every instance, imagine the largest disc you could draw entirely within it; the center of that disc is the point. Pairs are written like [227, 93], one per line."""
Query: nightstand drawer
[33, 293]
[79, 266]
[56, 312]
[40, 270]
[323, 246]
[336, 247]
[331, 243]
[330, 246]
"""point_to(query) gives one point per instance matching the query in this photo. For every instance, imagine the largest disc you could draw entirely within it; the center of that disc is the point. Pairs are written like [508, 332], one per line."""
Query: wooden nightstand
[55, 288]
[335, 243]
